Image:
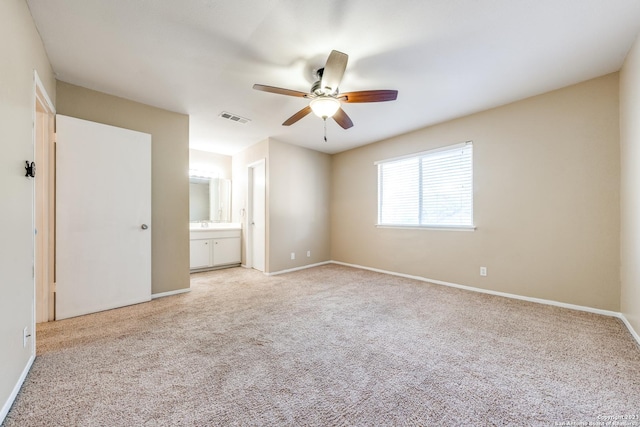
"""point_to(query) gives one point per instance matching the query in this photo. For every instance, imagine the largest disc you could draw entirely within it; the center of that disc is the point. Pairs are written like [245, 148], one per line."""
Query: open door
[103, 217]
[257, 215]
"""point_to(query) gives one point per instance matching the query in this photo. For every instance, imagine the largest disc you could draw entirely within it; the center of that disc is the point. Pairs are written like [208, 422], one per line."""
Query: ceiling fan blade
[279, 90]
[297, 116]
[333, 71]
[342, 119]
[369, 96]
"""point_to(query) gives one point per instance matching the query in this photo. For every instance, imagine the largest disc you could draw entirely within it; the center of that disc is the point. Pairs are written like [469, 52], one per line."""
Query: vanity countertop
[215, 226]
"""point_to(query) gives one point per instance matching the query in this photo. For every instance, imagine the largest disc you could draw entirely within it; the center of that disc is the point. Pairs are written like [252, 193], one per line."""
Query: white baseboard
[166, 294]
[628, 325]
[16, 389]
[304, 267]
[504, 294]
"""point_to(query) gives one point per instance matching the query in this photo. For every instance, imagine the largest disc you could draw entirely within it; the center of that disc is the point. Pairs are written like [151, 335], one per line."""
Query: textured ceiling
[447, 58]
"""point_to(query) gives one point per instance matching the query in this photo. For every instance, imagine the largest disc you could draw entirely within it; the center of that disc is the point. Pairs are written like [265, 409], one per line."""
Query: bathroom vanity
[214, 246]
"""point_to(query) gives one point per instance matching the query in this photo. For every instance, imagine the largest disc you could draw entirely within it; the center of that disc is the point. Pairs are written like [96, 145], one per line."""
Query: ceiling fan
[326, 100]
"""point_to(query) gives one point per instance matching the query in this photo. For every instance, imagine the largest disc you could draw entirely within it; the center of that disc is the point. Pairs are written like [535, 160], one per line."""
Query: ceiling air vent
[233, 117]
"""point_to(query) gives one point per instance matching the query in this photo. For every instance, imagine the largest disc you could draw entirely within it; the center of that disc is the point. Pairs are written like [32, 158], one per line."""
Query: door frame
[250, 230]
[43, 203]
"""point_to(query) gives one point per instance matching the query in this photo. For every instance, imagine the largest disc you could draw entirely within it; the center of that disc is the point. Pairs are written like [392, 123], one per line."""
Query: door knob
[144, 226]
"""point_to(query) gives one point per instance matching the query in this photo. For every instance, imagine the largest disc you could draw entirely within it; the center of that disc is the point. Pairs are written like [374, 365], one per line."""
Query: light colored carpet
[329, 346]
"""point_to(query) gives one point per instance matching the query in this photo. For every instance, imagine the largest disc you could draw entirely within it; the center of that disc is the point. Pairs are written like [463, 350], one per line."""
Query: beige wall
[299, 200]
[546, 201]
[298, 215]
[21, 51]
[630, 187]
[169, 173]
[204, 160]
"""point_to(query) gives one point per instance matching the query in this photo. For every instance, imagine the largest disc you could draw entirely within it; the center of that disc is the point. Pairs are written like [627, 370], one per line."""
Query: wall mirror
[209, 199]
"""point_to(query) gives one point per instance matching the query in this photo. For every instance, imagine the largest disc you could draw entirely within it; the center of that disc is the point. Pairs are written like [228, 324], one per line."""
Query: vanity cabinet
[200, 253]
[210, 248]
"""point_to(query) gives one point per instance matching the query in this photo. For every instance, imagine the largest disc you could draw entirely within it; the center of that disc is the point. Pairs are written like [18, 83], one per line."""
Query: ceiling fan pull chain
[325, 129]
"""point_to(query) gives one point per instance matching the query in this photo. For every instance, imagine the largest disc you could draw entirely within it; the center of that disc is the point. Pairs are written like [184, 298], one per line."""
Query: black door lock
[31, 169]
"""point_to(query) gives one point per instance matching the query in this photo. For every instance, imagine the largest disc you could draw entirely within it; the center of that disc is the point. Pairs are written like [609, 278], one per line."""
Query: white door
[257, 217]
[103, 217]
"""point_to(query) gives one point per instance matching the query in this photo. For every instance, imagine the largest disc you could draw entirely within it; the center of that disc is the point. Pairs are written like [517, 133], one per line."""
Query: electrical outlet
[483, 271]
[293, 255]
[308, 254]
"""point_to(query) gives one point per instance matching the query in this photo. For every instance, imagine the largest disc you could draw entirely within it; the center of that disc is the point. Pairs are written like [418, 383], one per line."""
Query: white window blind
[429, 189]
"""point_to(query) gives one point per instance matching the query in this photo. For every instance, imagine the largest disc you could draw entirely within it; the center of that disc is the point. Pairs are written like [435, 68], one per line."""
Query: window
[429, 189]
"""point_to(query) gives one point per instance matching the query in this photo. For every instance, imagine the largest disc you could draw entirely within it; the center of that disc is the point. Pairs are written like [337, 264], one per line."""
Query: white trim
[169, 293]
[257, 162]
[628, 325]
[16, 389]
[38, 85]
[304, 267]
[249, 213]
[422, 153]
[430, 227]
[609, 313]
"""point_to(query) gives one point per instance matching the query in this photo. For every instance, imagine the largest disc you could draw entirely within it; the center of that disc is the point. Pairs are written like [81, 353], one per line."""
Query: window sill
[429, 227]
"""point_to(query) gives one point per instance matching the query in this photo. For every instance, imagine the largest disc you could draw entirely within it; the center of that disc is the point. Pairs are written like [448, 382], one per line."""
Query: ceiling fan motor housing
[316, 88]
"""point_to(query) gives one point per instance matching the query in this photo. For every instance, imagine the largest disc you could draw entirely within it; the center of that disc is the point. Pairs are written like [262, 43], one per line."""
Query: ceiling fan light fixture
[324, 106]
